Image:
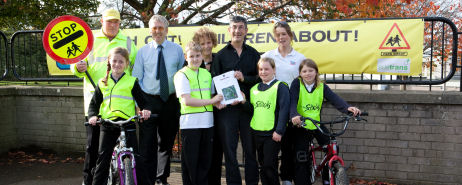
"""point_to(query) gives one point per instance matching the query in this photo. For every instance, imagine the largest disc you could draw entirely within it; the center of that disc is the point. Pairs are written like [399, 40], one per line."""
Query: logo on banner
[393, 65]
[394, 40]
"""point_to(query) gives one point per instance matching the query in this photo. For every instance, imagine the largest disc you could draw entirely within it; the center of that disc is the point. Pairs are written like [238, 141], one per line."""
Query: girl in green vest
[193, 86]
[270, 100]
[114, 99]
[307, 94]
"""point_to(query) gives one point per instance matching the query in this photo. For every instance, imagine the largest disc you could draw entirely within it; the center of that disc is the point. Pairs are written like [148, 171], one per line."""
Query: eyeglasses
[158, 29]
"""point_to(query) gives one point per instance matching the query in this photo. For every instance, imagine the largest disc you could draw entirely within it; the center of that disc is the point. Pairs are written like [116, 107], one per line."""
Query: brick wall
[50, 117]
[8, 134]
[410, 137]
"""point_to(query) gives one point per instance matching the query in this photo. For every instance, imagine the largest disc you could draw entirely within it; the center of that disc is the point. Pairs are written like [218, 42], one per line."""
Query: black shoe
[160, 182]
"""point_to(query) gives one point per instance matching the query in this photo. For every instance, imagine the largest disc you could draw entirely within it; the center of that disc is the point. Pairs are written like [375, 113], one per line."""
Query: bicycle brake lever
[357, 118]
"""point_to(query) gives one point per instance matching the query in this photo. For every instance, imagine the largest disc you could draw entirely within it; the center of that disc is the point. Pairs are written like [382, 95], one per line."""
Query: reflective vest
[97, 61]
[309, 104]
[264, 105]
[117, 98]
[200, 83]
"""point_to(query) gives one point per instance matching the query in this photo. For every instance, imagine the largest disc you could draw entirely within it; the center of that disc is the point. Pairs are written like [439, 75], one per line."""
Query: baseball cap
[111, 14]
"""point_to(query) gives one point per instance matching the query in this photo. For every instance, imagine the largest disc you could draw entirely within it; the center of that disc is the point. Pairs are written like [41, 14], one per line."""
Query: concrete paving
[58, 174]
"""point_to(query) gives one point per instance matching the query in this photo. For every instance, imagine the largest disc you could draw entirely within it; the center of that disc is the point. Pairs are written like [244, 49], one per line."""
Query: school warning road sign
[67, 39]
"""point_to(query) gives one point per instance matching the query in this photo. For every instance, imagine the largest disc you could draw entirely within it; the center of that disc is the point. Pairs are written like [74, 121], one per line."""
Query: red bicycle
[334, 163]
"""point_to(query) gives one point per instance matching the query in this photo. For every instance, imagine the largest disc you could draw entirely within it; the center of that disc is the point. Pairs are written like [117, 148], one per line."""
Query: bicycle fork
[122, 153]
[334, 158]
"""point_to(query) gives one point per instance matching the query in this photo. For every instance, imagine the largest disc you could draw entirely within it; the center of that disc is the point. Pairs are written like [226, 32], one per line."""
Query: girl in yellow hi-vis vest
[193, 86]
[270, 100]
[114, 99]
[307, 94]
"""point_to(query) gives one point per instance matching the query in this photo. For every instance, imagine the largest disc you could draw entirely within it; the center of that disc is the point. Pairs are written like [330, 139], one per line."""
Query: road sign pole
[91, 80]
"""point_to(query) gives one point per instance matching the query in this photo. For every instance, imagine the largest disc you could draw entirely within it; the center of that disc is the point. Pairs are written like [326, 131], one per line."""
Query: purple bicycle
[122, 170]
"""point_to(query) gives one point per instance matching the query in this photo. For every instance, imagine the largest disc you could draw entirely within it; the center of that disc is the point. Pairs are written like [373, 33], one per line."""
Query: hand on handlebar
[297, 121]
[144, 114]
[354, 110]
[93, 120]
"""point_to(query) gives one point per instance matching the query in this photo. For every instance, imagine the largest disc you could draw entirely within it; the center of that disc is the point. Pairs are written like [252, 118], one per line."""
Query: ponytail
[107, 73]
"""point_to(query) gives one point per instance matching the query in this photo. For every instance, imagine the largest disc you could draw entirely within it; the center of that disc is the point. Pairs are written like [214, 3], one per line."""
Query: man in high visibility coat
[93, 69]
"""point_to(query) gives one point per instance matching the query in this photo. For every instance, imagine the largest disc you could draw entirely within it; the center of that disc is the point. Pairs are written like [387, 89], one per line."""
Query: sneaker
[286, 183]
[159, 182]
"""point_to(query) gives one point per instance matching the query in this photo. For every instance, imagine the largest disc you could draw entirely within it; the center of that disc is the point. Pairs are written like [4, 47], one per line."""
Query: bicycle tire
[312, 174]
[113, 178]
[129, 180]
[339, 173]
[311, 169]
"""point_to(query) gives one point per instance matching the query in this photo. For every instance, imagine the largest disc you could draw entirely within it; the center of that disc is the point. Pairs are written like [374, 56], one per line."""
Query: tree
[36, 14]
[176, 11]
[298, 10]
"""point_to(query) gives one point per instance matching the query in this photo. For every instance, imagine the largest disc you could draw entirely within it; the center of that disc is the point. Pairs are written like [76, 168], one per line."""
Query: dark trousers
[267, 152]
[91, 153]
[196, 155]
[148, 147]
[157, 136]
[232, 122]
[303, 138]
[217, 158]
[287, 154]
[108, 140]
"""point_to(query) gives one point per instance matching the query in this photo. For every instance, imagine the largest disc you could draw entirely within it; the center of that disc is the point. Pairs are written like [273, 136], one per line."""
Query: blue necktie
[162, 76]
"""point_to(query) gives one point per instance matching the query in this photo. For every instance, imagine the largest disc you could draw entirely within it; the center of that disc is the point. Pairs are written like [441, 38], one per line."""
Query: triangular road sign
[393, 42]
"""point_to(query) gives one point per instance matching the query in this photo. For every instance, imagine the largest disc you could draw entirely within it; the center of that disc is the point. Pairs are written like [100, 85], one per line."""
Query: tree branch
[211, 18]
[267, 12]
[135, 4]
[190, 16]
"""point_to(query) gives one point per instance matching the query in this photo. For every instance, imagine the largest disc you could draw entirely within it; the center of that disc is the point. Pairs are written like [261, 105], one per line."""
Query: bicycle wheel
[129, 180]
[339, 173]
[113, 178]
[312, 171]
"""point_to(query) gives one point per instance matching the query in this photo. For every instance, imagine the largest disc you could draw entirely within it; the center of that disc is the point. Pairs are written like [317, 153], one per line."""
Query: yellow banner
[340, 47]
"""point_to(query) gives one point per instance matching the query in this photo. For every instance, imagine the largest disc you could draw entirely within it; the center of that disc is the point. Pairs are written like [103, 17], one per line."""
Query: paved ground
[33, 166]
[38, 167]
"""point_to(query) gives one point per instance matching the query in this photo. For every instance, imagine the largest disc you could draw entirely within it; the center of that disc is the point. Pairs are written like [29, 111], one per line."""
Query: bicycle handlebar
[121, 122]
[339, 119]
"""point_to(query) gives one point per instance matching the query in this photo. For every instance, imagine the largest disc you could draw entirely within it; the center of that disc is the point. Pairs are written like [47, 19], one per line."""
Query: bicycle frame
[120, 152]
[329, 158]
[332, 148]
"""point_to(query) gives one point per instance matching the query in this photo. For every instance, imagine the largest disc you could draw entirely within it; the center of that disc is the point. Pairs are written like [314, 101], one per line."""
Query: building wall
[50, 117]
[410, 137]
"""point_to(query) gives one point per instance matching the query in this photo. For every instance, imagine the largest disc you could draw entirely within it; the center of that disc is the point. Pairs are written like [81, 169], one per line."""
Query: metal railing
[3, 55]
[28, 58]
[437, 72]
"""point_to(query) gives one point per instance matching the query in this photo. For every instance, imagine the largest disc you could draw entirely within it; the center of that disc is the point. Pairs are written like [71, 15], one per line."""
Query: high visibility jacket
[309, 104]
[264, 105]
[200, 83]
[118, 100]
[97, 61]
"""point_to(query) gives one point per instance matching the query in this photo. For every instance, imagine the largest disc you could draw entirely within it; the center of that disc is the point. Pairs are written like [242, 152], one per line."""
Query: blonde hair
[310, 63]
[205, 32]
[192, 46]
[267, 59]
[117, 50]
